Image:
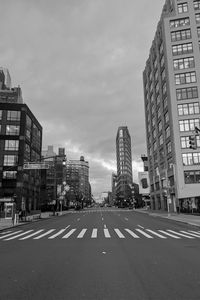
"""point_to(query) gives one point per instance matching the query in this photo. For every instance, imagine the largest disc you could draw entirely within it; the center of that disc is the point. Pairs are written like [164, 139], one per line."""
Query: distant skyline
[79, 64]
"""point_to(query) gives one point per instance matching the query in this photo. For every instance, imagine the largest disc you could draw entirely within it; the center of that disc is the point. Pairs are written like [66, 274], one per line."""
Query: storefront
[6, 208]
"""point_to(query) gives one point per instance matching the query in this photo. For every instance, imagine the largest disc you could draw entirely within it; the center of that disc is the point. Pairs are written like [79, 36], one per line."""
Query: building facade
[171, 82]
[77, 177]
[54, 177]
[20, 142]
[124, 166]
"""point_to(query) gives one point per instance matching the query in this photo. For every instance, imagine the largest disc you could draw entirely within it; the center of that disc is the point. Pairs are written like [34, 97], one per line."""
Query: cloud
[80, 63]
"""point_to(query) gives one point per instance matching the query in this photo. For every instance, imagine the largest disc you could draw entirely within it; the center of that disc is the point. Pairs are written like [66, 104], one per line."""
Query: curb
[169, 218]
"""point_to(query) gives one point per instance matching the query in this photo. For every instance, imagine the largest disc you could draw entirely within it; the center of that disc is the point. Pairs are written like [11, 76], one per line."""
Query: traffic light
[192, 142]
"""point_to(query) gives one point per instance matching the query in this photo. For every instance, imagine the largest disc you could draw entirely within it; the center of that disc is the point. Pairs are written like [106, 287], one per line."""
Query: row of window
[187, 93]
[182, 22]
[184, 63]
[191, 158]
[185, 78]
[192, 176]
[12, 115]
[185, 141]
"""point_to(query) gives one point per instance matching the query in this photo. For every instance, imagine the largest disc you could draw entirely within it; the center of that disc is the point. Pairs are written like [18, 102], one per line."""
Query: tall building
[20, 142]
[124, 166]
[113, 186]
[171, 82]
[77, 177]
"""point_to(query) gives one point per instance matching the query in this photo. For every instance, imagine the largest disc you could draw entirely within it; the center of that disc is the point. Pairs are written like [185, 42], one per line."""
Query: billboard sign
[34, 166]
[144, 185]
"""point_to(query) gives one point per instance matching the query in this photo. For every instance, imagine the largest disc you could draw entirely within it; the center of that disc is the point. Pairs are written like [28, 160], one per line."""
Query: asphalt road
[101, 255]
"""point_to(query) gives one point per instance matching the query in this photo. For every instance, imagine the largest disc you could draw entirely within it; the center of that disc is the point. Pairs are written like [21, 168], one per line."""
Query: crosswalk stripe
[132, 233]
[56, 234]
[181, 234]
[69, 233]
[94, 233]
[118, 232]
[44, 234]
[30, 235]
[169, 234]
[144, 233]
[81, 234]
[16, 236]
[106, 233]
[196, 232]
[12, 233]
[156, 234]
[193, 234]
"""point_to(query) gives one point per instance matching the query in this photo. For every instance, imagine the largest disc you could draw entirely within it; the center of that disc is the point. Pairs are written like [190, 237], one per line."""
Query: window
[166, 117]
[9, 174]
[161, 139]
[196, 4]
[1, 112]
[160, 126]
[28, 122]
[188, 125]
[187, 93]
[198, 32]
[164, 88]
[169, 147]
[182, 49]
[197, 17]
[184, 63]
[182, 8]
[180, 35]
[192, 177]
[167, 132]
[13, 115]
[191, 158]
[185, 78]
[185, 142]
[12, 145]
[10, 160]
[12, 130]
[179, 22]
[165, 102]
[188, 109]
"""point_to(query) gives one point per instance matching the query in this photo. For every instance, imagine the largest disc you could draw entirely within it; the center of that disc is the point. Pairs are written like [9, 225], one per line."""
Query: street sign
[36, 166]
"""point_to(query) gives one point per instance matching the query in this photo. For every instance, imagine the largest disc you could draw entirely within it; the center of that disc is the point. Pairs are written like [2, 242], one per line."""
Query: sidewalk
[184, 218]
[7, 223]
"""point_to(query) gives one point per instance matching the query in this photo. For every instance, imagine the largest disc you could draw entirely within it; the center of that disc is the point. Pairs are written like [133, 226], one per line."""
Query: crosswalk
[94, 233]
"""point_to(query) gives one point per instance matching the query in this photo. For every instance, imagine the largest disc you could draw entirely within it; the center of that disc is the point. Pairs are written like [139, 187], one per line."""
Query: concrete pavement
[184, 218]
[8, 223]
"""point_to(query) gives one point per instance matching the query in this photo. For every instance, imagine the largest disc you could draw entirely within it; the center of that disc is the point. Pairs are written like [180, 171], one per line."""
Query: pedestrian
[20, 215]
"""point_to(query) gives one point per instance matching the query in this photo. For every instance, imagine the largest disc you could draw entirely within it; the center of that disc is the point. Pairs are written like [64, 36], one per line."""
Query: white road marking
[118, 232]
[5, 232]
[104, 225]
[141, 226]
[102, 218]
[12, 233]
[132, 233]
[57, 234]
[181, 234]
[171, 235]
[69, 233]
[126, 219]
[94, 233]
[44, 234]
[106, 233]
[193, 234]
[144, 233]
[16, 236]
[157, 234]
[81, 234]
[196, 232]
[32, 234]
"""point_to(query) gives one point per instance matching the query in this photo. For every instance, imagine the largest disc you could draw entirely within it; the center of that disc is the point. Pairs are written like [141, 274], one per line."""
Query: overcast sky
[79, 64]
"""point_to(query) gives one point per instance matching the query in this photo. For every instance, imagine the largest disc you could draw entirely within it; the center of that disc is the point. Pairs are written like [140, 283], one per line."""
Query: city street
[100, 254]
